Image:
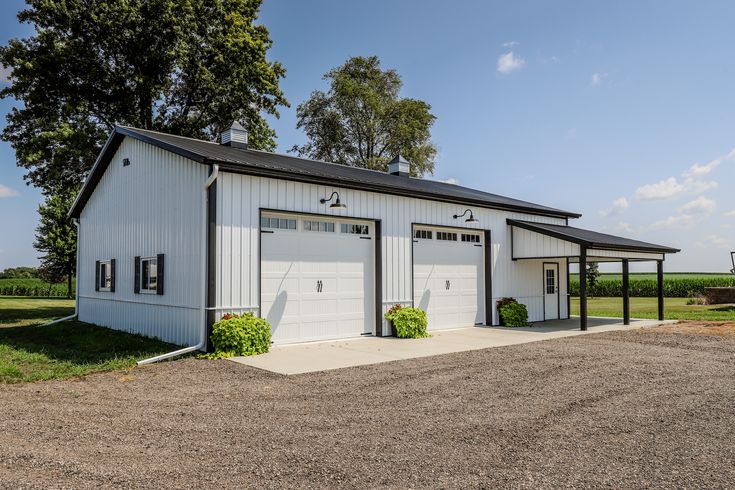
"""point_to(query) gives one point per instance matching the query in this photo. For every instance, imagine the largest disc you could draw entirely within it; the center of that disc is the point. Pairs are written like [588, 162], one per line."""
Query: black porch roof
[591, 239]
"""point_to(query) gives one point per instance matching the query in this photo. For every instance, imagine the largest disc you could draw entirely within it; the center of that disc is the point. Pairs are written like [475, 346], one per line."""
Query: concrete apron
[337, 354]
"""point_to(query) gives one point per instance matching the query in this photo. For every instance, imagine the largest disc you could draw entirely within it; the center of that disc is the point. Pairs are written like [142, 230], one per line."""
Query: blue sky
[622, 111]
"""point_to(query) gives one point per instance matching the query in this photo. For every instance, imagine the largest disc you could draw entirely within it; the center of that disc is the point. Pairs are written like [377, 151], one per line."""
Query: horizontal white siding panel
[154, 205]
[529, 244]
[240, 198]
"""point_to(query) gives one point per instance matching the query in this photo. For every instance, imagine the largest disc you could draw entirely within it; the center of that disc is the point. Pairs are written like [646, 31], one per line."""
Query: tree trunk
[68, 284]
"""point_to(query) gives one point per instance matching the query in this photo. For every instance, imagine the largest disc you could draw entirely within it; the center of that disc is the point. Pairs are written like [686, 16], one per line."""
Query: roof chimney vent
[235, 136]
[399, 166]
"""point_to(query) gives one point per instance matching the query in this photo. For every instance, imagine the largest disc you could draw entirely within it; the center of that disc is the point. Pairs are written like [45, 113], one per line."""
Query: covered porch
[533, 241]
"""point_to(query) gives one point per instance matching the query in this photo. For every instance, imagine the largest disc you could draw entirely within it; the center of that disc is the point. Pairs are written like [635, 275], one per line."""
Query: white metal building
[175, 232]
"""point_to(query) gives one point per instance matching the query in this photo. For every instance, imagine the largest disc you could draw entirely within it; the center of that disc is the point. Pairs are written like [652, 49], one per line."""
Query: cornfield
[679, 287]
[32, 287]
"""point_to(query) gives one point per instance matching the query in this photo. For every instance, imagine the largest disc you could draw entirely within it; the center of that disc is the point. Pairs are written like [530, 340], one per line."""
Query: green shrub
[408, 322]
[240, 335]
[501, 303]
[32, 287]
[514, 315]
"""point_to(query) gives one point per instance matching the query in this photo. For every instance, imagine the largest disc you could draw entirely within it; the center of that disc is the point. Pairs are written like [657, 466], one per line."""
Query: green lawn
[674, 309]
[32, 352]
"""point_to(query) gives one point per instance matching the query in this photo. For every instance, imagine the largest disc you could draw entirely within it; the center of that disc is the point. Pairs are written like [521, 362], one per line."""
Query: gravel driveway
[653, 407]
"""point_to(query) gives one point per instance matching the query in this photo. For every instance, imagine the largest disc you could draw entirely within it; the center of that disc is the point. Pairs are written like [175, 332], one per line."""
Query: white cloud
[620, 204]
[720, 242]
[510, 44]
[664, 189]
[623, 227]
[731, 213]
[692, 182]
[674, 222]
[509, 62]
[597, 78]
[697, 170]
[6, 191]
[672, 187]
[700, 205]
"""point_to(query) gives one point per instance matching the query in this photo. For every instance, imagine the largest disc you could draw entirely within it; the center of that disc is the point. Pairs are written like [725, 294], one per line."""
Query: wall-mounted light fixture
[471, 219]
[336, 204]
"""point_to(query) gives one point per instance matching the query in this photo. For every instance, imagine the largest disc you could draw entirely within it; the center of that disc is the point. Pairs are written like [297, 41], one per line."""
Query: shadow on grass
[40, 313]
[80, 343]
[728, 309]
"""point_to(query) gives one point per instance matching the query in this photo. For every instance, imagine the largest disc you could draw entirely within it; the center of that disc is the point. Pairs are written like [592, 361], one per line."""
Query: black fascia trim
[161, 144]
[336, 182]
[121, 131]
[585, 243]
[95, 175]
[105, 157]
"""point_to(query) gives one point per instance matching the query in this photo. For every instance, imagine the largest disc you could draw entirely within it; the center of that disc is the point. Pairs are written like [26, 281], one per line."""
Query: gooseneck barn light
[336, 204]
[471, 219]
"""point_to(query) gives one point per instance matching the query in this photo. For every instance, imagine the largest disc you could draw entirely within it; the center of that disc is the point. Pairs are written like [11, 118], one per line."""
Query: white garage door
[448, 276]
[317, 277]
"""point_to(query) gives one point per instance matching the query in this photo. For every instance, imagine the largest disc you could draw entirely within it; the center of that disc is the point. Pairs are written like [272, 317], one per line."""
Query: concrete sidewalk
[322, 356]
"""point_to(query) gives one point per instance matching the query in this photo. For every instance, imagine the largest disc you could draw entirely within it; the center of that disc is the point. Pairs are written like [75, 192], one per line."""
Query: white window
[280, 223]
[445, 235]
[149, 275]
[105, 275]
[324, 226]
[355, 229]
[470, 237]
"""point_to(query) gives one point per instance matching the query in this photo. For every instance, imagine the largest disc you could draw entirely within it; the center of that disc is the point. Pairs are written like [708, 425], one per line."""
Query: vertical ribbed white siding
[240, 197]
[528, 243]
[152, 206]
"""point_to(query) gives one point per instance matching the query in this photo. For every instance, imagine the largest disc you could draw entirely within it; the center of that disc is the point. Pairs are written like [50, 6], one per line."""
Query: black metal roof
[591, 239]
[288, 167]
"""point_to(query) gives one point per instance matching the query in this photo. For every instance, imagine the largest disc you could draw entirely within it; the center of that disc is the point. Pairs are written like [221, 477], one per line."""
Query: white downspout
[203, 337]
[76, 290]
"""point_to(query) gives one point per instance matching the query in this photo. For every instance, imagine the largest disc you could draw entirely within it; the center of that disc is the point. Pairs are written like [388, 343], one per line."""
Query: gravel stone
[629, 409]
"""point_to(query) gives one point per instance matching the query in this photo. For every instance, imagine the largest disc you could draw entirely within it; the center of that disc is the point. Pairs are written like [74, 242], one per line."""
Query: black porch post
[626, 292]
[582, 288]
[660, 285]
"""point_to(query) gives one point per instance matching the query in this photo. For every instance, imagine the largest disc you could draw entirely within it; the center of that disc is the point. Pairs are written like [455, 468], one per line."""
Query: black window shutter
[136, 275]
[97, 275]
[112, 275]
[159, 274]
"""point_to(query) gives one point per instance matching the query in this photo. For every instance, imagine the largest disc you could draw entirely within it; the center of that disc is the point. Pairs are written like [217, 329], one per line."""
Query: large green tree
[56, 239]
[363, 122]
[189, 67]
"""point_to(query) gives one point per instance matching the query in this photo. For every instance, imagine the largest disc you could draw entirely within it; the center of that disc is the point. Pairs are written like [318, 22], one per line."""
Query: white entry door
[317, 277]
[551, 291]
[448, 276]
